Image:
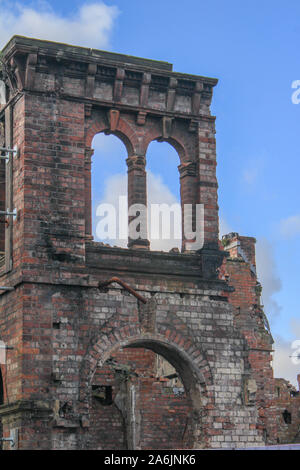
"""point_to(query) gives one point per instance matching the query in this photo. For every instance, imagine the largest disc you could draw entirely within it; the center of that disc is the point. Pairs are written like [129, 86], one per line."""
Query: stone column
[208, 185]
[88, 192]
[137, 195]
[188, 195]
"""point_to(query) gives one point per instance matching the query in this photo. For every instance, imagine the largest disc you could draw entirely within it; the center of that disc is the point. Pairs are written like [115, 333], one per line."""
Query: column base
[139, 244]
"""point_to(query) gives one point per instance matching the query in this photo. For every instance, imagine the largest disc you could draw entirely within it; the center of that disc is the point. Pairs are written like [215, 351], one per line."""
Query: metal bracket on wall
[9, 213]
[8, 152]
[104, 284]
[8, 439]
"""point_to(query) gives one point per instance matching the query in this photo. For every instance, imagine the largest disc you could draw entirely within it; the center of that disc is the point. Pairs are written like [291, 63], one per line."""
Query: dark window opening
[287, 417]
[278, 391]
[103, 394]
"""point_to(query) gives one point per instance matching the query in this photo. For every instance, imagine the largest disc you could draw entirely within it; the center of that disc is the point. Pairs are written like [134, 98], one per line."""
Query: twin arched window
[156, 183]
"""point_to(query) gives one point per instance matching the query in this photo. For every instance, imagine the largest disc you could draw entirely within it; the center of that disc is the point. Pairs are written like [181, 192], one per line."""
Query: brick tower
[88, 327]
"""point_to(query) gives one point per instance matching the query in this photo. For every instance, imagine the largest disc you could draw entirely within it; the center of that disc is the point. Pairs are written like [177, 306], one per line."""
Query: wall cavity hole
[103, 394]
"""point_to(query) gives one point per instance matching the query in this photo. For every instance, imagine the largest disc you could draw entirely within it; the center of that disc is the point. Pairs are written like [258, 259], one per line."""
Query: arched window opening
[139, 402]
[163, 197]
[109, 190]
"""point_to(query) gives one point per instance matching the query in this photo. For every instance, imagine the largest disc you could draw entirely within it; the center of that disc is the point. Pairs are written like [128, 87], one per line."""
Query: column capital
[188, 169]
[136, 162]
[88, 153]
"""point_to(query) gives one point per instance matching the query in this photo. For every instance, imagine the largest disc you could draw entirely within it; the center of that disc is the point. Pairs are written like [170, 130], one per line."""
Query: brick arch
[96, 125]
[175, 142]
[182, 352]
[123, 130]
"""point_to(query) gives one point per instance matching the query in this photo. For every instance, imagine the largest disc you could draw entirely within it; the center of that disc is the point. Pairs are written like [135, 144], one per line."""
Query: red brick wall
[164, 416]
[59, 323]
[249, 317]
[287, 399]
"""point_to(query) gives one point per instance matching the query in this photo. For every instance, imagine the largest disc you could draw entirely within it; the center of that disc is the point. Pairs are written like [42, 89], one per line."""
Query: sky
[252, 48]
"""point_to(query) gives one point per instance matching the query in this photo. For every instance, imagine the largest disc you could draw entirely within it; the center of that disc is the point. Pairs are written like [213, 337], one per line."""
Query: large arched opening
[163, 197]
[108, 189]
[146, 394]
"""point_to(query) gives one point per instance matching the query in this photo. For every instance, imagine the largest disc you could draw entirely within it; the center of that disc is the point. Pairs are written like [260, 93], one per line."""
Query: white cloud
[290, 227]
[90, 26]
[115, 186]
[224, 227]
[283, 364]
[267, 275]
[295, 327]
[158, 193]
[250, 175]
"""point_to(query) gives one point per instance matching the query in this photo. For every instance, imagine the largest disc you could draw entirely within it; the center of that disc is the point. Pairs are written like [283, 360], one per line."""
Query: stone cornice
[24, 45]
[106, 79]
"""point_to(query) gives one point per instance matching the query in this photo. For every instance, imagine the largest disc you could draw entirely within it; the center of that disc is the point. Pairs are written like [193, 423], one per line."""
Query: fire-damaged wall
[287, 401]
[115, 348]
[277, 400]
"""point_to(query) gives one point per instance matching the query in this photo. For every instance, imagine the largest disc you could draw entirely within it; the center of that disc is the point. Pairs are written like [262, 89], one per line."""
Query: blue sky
[252, 47]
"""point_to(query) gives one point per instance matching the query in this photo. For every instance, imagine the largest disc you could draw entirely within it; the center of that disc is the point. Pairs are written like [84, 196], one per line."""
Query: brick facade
[82, 372]
[273, 396]
[287, 400]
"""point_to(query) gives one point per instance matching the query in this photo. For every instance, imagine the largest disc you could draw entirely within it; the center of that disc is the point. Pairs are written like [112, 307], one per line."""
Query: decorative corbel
[118, 88]
[113, 119]
[90, 80]
[197, 97]
[207, 93]
[18, 72]
[88, 109]
[30, 71]
[144, 92]
[193, 126]
[141, 118]
[171, 94]
[166, 127]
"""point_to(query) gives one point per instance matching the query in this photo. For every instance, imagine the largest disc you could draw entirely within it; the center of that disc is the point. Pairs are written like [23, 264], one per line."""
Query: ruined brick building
[112, 348]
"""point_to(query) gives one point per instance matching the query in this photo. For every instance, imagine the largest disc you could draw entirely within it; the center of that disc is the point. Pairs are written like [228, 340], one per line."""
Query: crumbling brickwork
[83, 373]
[239, 270]
[272, 396]
[287, 400]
